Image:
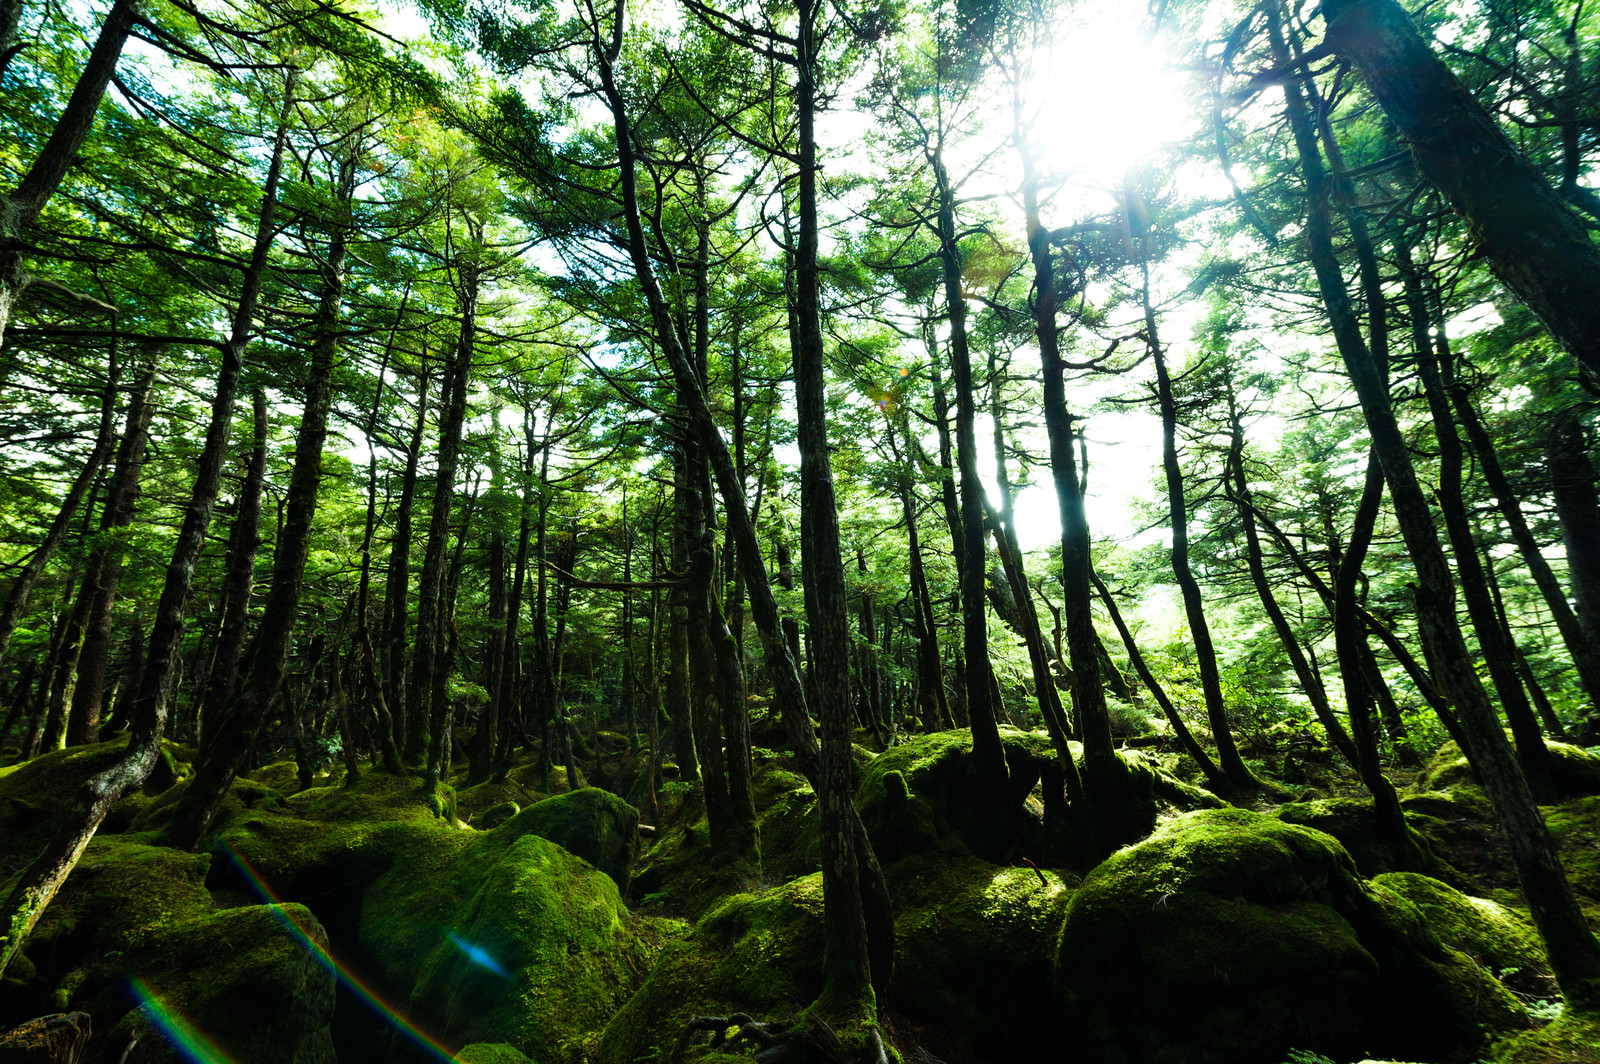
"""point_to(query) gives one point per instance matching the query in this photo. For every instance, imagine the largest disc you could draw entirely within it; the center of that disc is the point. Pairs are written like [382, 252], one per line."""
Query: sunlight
[1109, 96]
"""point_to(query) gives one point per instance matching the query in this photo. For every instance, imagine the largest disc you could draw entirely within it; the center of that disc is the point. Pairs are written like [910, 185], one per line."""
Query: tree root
[785, 1042]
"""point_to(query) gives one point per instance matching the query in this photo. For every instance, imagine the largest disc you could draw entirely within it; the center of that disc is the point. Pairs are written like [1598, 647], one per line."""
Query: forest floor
[523, 919]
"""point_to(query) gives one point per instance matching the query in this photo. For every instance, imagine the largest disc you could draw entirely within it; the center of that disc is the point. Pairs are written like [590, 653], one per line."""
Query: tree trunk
[83, 722]
[88, 473]
[397, 581]
[19, 209]
[1533, 241]
[429, 723]
[1573, 952]
[243, 544]
[223, 753]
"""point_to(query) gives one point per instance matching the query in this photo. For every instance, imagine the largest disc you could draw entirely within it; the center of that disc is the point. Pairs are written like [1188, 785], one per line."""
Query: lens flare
[366, 994]
[184, 1037]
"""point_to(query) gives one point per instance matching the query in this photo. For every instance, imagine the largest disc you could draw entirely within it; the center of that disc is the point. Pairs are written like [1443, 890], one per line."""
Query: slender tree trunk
[853, 965]
[1310, 683]
[224, 751]
[1573, 952]
[83, 722]
[104, 442]
[243, 544]
[1499, 653]
[397, 582]
[987, 752]
[20, 209]
[431, 717]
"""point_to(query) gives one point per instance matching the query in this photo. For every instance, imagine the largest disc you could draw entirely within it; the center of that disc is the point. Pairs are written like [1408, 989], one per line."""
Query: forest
[861, 531]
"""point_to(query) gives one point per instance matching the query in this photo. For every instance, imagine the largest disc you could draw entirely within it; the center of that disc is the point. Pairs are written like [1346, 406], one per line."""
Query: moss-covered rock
[1231, 936]
[1499, 939]
[784, 801]
[491, 1053]
[1574, 770]
[592, 823]
[759, 954]
[975, 946]
[1575, 826]
[134, 924]
[1355, 823]
[539, 955]
[1573, 1038]
[34, 794]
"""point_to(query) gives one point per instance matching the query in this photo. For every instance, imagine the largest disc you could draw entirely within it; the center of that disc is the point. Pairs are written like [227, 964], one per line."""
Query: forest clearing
[1000, 530]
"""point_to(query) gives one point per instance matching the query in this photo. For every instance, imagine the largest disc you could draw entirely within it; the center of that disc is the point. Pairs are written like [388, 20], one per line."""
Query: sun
[1109, 95]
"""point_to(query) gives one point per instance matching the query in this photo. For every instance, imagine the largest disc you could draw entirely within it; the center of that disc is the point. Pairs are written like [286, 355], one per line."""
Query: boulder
[1228, 936]
[592, 823]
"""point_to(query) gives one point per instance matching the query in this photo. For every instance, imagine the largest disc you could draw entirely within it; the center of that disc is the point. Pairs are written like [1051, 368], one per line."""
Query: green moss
[491, 1053]
[34, 794]
[974, 951]
[1497, 938]
[539, 955]
[136, 915]
[784, 801]
[1575, 826]
[1355, 823]
[592, 823]
[1231, 936]
[754, 953]
[1573, 1038]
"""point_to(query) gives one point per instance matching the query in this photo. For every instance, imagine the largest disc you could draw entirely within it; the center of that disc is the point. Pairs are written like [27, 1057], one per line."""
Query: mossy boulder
[1575, 771]
[134, 926]
[759, 954]
[1499, 939]
[975, 946]
[1228, 936]
[592, 823]
[1573, 1038]
[491, 1053]
[784, 802]
[538, 955]
[1355, 823]
[1575, 826]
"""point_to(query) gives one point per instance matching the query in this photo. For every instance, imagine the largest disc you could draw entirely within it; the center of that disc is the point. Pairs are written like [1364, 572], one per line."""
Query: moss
[755, 953]
[1576, 770]
[243, 796]
[592, 823]
[538, 955]
[974, 951]
[34, 794]
[1573, 1038]
[496, 815]
[491, 1053]
[784, 801]
[1575, 826]
[132, 915]
[1497, 938]
[1231, 936]
[1354, 822]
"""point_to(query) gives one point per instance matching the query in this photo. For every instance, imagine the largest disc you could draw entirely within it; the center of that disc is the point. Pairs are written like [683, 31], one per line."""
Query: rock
[501, 939]
[491, 1053]
[759, 954]
[249, 981]
[974, 951]
[1572, 1038]
[59, 1038]
[1232, 937]
[1498, 939]
[592, 823]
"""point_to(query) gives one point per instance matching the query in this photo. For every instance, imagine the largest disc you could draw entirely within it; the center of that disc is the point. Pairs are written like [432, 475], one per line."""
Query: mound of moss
[538, 954]
[1355, 823]
[1498, 939]
[1573, 1038]
[759, 954]
[133, 934]
[975, 946]
[592, 823]
[34, 794]
[1228, 936]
